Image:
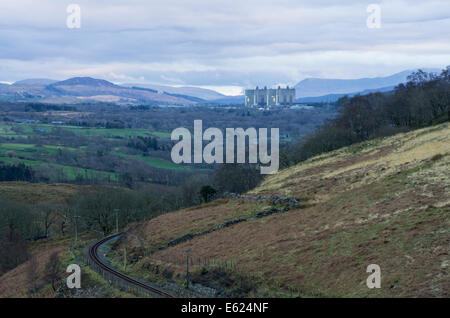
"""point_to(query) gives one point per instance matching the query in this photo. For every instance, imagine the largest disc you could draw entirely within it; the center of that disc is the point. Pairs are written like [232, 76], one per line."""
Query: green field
[21, 147]
[6, 131]
[27, 150]
[155, 162]
[70, 172]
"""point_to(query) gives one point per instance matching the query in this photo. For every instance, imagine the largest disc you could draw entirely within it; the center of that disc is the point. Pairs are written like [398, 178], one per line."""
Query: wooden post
[117, 220]
[125, 258]
[187, 269]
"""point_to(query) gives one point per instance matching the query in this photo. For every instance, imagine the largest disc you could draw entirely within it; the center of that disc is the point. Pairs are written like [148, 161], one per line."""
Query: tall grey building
[268, 97]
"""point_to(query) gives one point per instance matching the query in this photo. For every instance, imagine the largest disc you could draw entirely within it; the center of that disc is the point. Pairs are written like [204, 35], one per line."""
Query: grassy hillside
[34, 193]
[31, 278]
[384, 201]
[65, 153]
[7, 131]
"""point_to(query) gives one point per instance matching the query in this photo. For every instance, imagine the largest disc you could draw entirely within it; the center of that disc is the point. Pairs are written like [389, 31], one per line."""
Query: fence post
[187, 269]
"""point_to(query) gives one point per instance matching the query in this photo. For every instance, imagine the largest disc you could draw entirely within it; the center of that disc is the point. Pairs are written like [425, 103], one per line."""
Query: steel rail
[93, 254]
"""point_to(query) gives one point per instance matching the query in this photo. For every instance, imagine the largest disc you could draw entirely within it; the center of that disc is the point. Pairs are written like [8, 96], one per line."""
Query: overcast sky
[222, 44]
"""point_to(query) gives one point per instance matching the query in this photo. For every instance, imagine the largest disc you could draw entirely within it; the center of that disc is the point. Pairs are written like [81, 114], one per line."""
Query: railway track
[94, 257]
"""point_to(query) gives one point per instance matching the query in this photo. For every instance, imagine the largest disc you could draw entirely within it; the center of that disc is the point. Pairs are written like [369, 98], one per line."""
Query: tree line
[18, 172]
[423, 101]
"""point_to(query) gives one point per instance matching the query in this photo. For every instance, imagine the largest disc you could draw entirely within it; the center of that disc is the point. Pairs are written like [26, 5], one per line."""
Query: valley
[363, 183]
[223, 157]
[383, 202]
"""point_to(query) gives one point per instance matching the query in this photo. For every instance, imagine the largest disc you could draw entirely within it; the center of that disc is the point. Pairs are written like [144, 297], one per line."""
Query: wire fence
[227, 277]
[204, 276]
[196, 262]
[117, 281]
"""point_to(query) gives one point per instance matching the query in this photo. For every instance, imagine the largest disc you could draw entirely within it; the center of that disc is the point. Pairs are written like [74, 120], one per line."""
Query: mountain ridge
[82, 89]
[84, 81]
[85, 89]
[315, 87]
[203, 93]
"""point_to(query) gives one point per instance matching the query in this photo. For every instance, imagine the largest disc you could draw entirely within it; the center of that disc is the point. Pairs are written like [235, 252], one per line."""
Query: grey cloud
[220, 42]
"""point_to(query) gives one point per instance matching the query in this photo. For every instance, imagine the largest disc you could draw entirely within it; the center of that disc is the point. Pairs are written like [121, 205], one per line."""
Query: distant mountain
[87, 89]
[229, 100]
[205, 94]
[35, 81]
[85, 81]
[330, 98]
[315, 87]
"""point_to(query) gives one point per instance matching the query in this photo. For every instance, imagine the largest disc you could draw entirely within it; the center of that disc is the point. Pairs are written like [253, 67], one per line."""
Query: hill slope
[205, 94]
[385, 202]
[314, 87]
[331, 98]
[35, 81]
[85, 89]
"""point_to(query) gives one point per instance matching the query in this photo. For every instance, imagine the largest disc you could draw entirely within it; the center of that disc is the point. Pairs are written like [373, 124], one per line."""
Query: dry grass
[343, 169]
[32, 193]
[159, 231]
[387, 203]
[16, 282]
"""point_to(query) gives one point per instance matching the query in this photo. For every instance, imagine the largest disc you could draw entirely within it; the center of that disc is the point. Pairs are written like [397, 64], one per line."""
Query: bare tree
[13, 251]
[48, 216]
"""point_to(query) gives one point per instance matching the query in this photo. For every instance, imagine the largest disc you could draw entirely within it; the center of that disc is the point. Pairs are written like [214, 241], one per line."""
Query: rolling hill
[86, 89]
[35, 81]
[202, 93]
[330, 98]
[315, 87]
[384, 201]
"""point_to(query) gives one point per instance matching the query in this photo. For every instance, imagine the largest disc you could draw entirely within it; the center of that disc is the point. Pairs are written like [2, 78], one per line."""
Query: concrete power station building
[268, 97]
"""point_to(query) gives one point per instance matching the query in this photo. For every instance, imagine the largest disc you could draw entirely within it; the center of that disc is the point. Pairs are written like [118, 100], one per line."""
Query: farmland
[64, 153]
[99, 144]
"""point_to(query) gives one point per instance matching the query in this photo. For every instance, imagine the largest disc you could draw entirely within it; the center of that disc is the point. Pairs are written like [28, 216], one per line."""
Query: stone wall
[288, 202]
